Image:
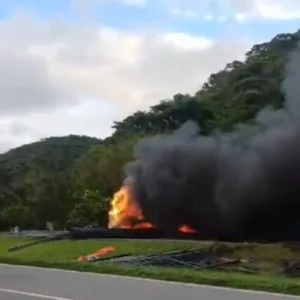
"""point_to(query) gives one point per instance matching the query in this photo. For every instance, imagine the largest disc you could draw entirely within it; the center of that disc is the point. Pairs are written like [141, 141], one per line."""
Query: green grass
[63, 254]
[69, 251]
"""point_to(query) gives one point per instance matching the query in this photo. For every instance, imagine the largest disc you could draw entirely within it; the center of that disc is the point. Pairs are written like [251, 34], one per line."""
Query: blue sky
[152, 15]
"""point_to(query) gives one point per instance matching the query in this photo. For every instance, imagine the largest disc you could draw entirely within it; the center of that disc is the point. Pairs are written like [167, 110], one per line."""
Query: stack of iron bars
[196, 259]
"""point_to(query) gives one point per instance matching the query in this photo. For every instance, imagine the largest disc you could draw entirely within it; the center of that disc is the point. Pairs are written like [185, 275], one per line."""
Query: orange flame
[125, 212]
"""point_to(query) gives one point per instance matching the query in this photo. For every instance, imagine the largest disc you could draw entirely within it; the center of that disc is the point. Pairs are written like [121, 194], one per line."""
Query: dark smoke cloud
[245, 184]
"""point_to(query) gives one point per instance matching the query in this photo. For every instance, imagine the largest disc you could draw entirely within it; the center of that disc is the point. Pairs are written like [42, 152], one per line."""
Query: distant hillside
[53, 152]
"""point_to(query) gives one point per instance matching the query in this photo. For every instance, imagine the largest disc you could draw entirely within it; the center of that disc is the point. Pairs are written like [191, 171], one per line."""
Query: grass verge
[63, 254]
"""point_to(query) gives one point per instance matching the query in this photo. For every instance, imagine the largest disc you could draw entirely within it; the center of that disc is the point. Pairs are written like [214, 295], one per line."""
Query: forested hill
[230, 96]
[51, 152]
[66, 179]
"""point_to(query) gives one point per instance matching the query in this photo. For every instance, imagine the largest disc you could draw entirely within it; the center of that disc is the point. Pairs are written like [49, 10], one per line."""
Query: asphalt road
[28, 283]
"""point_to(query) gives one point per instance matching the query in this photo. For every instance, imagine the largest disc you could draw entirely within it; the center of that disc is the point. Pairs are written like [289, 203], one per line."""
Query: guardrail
[33, 233]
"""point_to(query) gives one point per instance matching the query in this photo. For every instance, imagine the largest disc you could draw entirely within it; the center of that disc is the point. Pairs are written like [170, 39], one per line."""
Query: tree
[91, 210]
[49, 196]
[165, 116]
[102, 168]
[16, 215]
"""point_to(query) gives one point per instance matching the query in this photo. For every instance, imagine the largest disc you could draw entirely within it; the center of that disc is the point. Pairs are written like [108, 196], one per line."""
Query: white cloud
[25, 85]
[184, 13]
[238, 9]
[281, 10]
[87, 5]
[268, 9]
[208, 17]
[53, 68]
[185, 42]
[134, 2]
[240, 17]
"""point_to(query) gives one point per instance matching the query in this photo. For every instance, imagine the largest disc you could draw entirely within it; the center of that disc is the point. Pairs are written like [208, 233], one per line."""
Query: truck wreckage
[126, 221]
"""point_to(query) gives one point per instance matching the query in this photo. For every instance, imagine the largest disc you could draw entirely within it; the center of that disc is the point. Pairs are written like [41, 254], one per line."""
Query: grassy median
[64, 254]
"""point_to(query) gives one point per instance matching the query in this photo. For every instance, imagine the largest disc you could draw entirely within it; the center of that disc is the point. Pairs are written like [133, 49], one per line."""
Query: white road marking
[151, 280]
[33, 295]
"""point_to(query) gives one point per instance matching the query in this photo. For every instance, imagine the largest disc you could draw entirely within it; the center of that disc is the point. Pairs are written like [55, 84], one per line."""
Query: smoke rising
[245, 184]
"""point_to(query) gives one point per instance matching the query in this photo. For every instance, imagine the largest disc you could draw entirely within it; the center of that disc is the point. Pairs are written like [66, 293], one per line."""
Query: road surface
[29, 283]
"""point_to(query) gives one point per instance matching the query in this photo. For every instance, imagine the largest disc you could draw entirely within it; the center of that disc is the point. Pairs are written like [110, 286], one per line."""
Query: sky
[76, 66]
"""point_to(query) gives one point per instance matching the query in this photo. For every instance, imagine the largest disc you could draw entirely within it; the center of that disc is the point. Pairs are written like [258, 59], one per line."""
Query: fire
[185, 228]
[125, 213]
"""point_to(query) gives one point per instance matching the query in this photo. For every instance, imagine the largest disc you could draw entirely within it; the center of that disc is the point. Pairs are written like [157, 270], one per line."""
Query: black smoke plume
[241, 185]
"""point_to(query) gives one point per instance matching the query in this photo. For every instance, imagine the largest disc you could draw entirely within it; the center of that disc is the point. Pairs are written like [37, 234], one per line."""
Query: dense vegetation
[68, 180]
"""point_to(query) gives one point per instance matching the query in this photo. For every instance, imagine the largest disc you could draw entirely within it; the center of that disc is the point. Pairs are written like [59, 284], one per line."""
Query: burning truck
[126, 220]
[241, 185]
